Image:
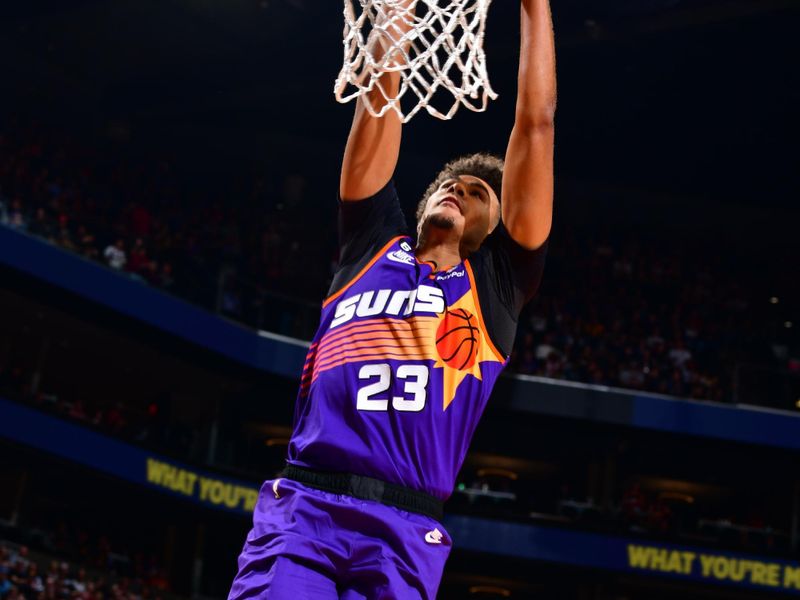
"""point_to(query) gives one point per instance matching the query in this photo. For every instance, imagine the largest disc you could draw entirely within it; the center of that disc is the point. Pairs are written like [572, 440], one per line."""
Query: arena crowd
[23, 577]
[622, 309]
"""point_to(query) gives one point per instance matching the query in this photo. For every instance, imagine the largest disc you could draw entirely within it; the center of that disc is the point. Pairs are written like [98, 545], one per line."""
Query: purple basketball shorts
[307, 543]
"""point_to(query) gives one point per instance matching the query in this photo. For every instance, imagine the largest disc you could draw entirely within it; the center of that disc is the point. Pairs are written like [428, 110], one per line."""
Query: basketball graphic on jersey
[458, 338]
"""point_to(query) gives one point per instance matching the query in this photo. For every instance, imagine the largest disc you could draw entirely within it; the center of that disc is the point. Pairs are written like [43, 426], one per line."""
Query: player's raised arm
[527, 196]
[373, 145]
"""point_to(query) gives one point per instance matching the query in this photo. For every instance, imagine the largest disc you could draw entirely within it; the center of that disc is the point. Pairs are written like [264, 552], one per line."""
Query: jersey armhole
[363, 270]
[476, 298]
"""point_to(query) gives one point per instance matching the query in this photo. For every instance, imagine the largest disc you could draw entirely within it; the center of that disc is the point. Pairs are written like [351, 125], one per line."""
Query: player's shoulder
[366, 228]
[495, 297]
[387, 194]
[507, 275]
[500, 249]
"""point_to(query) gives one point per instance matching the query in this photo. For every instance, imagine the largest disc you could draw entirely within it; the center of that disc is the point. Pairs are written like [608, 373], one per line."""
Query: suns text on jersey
[424, 299]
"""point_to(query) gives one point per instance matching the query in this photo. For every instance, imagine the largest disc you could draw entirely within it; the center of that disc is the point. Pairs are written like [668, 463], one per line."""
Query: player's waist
[368, 488]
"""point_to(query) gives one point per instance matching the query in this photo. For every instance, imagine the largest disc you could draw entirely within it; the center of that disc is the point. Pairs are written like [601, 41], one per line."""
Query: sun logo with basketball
[458, 339]
[461, 346]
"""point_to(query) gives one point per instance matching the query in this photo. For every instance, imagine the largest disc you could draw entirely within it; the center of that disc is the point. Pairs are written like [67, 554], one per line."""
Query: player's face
[465, 204]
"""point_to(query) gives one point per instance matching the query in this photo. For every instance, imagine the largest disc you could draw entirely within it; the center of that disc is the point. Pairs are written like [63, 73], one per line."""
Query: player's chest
[396, 285]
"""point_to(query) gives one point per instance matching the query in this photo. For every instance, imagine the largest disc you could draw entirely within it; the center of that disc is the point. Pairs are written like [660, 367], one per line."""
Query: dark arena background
[168, 177]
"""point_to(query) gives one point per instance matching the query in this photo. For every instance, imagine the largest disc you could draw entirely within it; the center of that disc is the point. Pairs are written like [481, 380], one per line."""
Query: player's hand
[391, 28]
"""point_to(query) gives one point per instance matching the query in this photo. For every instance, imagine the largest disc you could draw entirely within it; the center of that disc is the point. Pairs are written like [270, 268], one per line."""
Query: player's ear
[495, 212]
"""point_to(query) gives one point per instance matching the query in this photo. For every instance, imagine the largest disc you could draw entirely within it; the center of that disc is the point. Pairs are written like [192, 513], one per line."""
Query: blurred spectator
[115, 419]
[86, 243]
[634, 505]
[5, 584]
[64, 237]
[137, 258]
[41, 225]
[140, 220]
[19, 560]
[16, 218]
[165, 279]
[678, 353]
[115, 255]
[3, 209]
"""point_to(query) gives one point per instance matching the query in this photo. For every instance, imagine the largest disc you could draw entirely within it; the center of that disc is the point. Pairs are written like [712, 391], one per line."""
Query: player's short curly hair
[481, 164]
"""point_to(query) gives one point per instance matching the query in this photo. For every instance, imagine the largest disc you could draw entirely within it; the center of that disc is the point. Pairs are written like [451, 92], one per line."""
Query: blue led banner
[89, 448]
[597, 551]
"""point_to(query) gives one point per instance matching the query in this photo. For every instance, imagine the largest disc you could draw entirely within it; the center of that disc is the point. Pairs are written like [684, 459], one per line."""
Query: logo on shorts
[434, 537]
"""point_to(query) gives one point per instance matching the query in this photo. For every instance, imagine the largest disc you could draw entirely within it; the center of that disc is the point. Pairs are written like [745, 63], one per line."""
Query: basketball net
[435, 45]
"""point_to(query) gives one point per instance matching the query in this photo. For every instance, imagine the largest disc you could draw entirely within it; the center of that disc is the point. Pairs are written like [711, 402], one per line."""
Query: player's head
[465, 198]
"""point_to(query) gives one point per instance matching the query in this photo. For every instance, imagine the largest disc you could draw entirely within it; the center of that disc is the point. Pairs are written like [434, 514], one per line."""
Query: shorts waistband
[368, 488]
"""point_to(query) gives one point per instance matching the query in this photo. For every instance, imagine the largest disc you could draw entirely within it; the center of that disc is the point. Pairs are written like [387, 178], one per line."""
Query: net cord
[455, 30]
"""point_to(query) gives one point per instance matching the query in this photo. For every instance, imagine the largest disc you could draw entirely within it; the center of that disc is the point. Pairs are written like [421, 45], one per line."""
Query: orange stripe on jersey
[372, 261]
[365, 329]
[375, 337]
[367, 357]
[376, 334]
[371, 339]
[379, 333]
[379, 350]
[394, 326]
[367, 347]
[310, 356]
[499, 355]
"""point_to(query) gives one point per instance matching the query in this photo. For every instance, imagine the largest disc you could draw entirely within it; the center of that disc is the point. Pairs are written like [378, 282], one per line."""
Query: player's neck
[441, 253]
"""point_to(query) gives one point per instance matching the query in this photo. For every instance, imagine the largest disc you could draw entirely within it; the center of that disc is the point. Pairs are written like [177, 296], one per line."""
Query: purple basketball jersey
[398, 374]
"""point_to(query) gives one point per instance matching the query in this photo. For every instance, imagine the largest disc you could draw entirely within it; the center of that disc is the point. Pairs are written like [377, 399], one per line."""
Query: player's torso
[397, 376]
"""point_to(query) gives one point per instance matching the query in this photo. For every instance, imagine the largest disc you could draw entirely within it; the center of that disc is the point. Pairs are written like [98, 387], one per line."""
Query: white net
[435, 45]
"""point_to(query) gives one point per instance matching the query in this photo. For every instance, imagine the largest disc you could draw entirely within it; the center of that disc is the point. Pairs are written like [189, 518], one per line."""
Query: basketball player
[411, 340]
